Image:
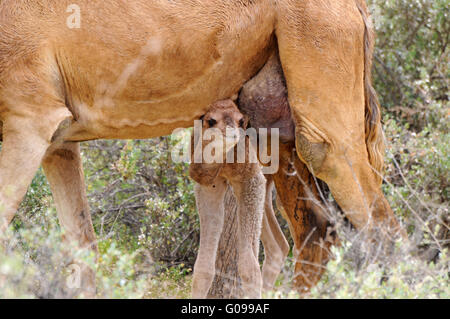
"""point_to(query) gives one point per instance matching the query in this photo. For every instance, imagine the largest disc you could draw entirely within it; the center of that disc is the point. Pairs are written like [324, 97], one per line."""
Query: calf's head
[222, 127]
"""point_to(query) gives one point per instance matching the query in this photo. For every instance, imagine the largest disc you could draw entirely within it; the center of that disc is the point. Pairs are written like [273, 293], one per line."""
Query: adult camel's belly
[144, 74]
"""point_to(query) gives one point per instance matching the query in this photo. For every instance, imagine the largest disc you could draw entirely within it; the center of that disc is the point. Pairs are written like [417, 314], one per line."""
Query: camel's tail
[374, 131]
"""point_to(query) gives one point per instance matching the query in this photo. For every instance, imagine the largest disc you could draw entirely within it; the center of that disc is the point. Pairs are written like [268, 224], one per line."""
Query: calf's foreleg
[211, 211]
[250, 195]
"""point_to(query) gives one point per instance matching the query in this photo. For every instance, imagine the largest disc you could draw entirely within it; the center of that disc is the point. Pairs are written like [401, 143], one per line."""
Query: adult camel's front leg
[64, 171]
[326, 61]
[211, 211]
[25, 141]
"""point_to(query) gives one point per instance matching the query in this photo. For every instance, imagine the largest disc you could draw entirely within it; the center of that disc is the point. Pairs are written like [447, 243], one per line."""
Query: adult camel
[141, 69]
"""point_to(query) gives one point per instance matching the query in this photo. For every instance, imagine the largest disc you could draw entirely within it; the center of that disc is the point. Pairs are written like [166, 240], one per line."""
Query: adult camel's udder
[264, 100]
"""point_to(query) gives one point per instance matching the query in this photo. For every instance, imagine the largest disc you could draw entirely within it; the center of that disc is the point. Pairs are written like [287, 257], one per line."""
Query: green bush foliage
[142, 199]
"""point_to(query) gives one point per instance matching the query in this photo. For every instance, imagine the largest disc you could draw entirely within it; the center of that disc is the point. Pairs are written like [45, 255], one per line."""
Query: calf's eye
[241, 123]
[212, 122]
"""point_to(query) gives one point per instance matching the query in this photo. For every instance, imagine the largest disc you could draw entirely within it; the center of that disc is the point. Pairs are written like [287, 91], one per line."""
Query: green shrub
[142, 199]
[411, 52]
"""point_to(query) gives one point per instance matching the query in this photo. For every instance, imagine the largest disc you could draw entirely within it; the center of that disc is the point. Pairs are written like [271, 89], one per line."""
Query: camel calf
[248, 183]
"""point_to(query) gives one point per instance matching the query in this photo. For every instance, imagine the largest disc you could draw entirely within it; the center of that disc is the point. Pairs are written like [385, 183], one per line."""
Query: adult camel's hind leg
[276, 247]
[302, 205]
[64, 171]
[326, 68]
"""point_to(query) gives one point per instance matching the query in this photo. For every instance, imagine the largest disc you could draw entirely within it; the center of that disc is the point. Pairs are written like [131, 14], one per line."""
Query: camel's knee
[250, 274]
[205, 269]
[204, 272]
[78, 229]
[248, 264]
[276, 254]
[313, 153]
[284, 249]
[274, 260]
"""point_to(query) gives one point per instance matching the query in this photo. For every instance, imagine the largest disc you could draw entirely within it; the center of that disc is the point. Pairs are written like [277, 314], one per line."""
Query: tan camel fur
[264, 101]
[248, 185]
[276, 247]
[140, 69]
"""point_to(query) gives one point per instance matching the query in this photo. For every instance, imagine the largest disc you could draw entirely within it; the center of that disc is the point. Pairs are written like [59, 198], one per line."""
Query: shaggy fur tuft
[374, 131]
